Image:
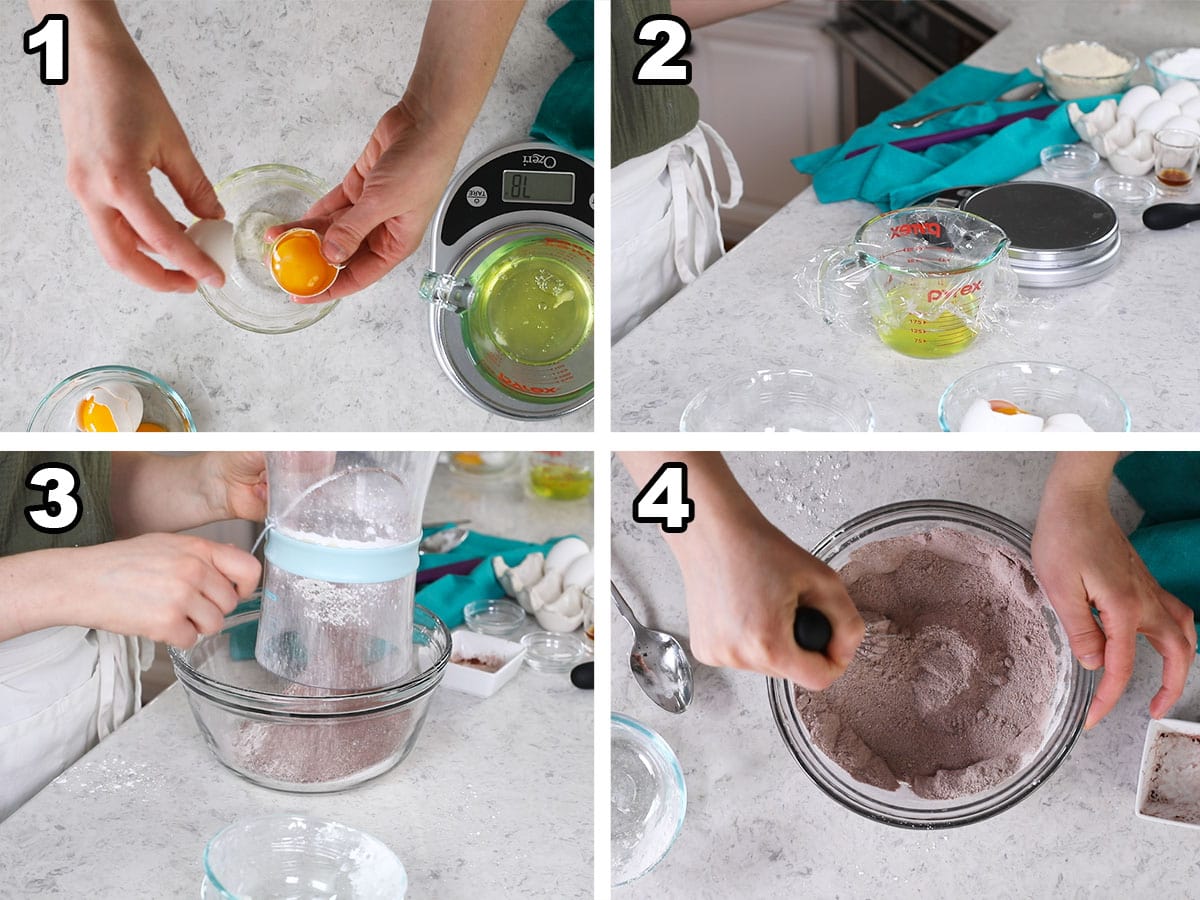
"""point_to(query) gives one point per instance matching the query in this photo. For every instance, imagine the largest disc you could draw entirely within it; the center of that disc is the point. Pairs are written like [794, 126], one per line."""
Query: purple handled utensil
[957, 134]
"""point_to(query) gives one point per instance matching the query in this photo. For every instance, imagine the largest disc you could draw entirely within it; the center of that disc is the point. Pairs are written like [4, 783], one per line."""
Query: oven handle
[839, 34]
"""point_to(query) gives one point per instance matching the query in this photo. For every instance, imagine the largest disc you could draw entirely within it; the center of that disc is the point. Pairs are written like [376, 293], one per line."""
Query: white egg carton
[1123, 132]
[1151, 757]
[470, 680]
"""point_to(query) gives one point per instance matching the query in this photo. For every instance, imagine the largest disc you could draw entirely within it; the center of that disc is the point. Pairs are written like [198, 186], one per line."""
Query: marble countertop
[496, 796]
[756, 826]
[299, 82]
[745, 313]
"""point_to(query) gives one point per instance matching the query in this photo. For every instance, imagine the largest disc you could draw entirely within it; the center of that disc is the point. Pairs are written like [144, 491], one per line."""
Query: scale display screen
[538, 187]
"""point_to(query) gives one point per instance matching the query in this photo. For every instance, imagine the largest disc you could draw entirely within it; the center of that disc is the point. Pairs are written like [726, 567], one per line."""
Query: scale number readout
[523, 186]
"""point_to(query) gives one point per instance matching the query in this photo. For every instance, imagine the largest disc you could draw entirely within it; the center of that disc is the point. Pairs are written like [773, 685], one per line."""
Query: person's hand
[743, 587]
[1084, 561]
[239, 484]
[376, 218]
[118, 126]
[166, 587]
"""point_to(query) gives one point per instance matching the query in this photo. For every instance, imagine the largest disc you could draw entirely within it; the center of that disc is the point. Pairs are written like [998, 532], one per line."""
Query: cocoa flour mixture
[955, 684]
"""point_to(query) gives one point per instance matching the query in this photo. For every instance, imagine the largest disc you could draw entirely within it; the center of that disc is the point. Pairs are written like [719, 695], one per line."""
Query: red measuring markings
[526, 388]
[568, 245]
[963, 291]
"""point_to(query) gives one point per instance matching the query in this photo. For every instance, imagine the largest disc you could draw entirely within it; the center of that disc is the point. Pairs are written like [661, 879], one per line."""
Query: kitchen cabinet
[767, 82]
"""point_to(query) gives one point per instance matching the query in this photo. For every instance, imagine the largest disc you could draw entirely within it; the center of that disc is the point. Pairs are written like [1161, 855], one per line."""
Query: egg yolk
[94, 416]
[297, 264]
[1006, 408]
[150, 426]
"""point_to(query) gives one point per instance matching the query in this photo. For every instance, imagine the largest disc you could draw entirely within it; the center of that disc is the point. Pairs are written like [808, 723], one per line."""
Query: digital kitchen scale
[538, 199]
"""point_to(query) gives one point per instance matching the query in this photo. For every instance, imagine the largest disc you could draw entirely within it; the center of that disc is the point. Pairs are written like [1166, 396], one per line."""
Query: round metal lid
[1049, 225]
[1067, 276]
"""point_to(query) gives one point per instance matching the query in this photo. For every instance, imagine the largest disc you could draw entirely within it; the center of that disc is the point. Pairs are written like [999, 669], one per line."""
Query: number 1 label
[49, 40]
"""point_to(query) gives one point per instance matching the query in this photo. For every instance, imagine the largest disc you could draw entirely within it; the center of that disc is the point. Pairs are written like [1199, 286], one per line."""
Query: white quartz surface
[757, 827]
[298, 82]
[495, 799]
[1132, 328]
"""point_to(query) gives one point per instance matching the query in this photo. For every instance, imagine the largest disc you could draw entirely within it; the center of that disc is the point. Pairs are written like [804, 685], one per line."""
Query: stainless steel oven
[890, 49]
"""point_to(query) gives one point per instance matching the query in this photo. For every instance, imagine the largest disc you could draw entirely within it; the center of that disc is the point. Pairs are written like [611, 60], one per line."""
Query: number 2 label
[664, 500]
[670, 37]
[49, 40]
[60, 509]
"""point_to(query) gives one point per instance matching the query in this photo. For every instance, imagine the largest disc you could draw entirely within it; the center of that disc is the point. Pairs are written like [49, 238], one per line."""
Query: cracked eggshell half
[522, 576]
[564, 613]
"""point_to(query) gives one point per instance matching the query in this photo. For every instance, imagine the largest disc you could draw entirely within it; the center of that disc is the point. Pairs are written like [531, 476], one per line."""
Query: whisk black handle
[1170, 215]
[812, 629]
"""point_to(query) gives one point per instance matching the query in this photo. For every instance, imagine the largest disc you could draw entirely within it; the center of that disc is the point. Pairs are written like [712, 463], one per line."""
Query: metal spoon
[443, 541]
[657, 661]
[1020, 92]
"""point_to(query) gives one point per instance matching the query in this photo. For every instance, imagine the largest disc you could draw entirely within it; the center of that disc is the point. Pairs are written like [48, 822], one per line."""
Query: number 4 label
[60, 509]
[49, 39]
[664, 500]
[670, 37]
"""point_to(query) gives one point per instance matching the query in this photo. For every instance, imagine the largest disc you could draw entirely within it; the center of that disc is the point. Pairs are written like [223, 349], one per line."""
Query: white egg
[1181, 123]
[215, 237]
[123, 400]
[1063, 422]
[1136, 100]
[1181, 92]
[1191, 109]
[981, 417]
[1153, 116]
[581, 572]
[564, 553]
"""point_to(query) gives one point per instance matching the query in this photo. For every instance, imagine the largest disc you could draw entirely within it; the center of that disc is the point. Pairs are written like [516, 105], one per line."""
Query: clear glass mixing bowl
[649, 799]
[903, 808]
[298, 856]
[256, 198]
[163, 405]
[292, 737]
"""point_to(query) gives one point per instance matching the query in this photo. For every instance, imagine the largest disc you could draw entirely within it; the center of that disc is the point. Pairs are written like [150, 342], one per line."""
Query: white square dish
[1168, 788]
[476, 681]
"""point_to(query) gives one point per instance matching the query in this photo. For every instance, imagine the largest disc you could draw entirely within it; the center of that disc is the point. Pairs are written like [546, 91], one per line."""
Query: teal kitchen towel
[567, 115]
[450, 594]
[1167, 487]
[892, 178]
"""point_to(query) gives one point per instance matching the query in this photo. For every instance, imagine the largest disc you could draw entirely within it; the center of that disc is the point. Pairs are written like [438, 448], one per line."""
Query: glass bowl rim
[944, 424]
[656, 741]
[748, 379]
[170, 392]
[266, 703]
[1155, 58]
[780, 693]
[288, 817]
[864, 249]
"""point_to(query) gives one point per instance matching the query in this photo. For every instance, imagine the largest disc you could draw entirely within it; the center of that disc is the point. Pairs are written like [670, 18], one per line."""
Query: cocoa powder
[954, 686]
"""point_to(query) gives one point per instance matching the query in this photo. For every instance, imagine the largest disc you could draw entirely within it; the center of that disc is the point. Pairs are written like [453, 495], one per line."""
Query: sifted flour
[958, 694]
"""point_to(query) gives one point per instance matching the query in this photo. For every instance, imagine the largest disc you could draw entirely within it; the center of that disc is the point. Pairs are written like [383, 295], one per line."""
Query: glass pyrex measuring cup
[341, 562]
[926, 277]
[524, 295]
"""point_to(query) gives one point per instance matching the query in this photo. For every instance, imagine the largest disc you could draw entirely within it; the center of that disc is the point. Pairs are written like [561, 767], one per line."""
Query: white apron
[61, 691]
[666, 224]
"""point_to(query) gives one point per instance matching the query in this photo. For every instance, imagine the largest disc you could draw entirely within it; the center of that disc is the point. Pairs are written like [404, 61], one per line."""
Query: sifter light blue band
[342, 565]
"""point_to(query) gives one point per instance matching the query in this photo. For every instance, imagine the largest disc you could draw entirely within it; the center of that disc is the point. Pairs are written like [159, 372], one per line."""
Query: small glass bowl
[551, 652]
[1065, 86]
[498, 617]
[1164, 79]
[1073, 162]
[778, 400]
[1069, 705]
[481, 462]
[294, 856]
[1127, 194]
[1045, 389]
[162, 405]
[649, 799]
[255, 199]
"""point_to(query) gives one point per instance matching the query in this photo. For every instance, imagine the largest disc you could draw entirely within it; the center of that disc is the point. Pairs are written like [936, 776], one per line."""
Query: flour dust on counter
[388, 661]
[941, 637]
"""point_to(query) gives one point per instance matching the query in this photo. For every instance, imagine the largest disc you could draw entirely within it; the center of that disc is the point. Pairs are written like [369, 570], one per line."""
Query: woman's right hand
[119, 126]
[166, 587]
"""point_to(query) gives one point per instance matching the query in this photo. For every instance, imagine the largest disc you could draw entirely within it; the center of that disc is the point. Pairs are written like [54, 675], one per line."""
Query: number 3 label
[60, 509]
[671, 38]
[49, 39]
[664, 500]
